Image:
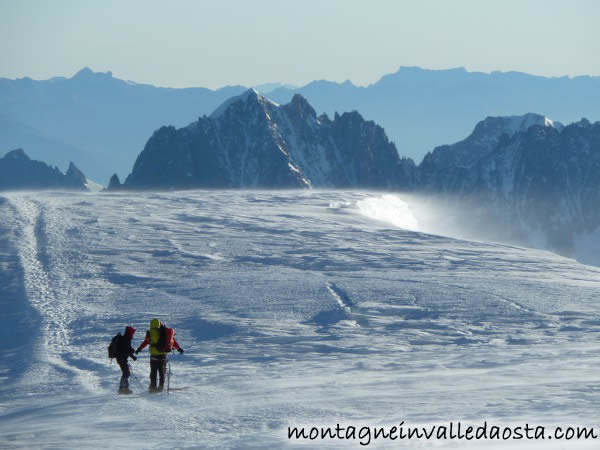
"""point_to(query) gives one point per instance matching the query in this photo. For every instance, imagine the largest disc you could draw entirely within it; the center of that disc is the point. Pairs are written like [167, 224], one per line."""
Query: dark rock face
[114, 184]
[441, 168]
[18, 171]
[541, 179]
[74, 176]
[251, 142]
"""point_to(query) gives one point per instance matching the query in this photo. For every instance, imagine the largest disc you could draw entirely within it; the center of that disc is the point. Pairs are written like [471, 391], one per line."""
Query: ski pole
[169, 377]
[134, 377]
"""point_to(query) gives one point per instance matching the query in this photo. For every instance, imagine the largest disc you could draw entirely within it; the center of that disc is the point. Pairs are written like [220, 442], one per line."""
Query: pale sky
[183, 43]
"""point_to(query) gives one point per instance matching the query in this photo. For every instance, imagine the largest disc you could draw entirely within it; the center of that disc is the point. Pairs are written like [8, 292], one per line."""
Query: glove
[137, 351]
[180, 350]
[134, 357]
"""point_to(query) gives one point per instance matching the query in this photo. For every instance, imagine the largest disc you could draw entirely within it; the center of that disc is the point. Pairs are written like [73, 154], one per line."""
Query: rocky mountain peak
[18, 171]
[252, 142]
[494, 127]
[300, 105]
[249, 98]
[17, 154]
[114, 183]
[486, 135]
[88, 74]
[583, 123]
[74, 173]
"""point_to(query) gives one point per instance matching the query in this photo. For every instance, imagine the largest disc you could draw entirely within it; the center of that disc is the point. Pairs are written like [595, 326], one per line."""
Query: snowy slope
[294, 308]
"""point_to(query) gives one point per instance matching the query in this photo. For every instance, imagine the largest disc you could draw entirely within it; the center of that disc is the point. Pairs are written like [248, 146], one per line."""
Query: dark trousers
[158, 365]
[124, 367]
[124, 373]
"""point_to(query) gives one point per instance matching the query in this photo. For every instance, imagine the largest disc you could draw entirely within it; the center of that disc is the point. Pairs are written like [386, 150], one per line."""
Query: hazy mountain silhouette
[19, 172]
[103, 122]
[98, 120]
[421, 109]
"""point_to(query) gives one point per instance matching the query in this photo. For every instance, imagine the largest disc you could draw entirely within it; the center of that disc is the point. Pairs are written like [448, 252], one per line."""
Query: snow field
[299, 307]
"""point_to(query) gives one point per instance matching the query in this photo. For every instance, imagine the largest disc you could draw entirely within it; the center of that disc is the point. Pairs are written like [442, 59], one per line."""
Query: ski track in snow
[41, 291]
[292, 310]
[48, 289]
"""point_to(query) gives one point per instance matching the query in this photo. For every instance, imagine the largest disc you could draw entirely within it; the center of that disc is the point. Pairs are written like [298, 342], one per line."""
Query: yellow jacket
[152, 337]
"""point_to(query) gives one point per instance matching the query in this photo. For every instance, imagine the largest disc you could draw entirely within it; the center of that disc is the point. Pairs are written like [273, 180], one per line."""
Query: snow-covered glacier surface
[294, 308]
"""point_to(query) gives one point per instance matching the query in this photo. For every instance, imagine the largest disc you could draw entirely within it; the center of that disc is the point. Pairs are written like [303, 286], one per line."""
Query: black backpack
[114, 348]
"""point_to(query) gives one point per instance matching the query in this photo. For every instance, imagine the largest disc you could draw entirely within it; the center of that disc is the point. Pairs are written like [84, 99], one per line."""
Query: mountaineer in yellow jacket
[162, 342]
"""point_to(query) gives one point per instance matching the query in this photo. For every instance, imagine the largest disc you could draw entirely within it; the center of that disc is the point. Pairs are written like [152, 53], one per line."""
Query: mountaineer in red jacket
[162, 342]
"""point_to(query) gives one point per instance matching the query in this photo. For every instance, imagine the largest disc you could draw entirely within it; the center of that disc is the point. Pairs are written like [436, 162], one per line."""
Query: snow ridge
[515, 124]
[244, 97]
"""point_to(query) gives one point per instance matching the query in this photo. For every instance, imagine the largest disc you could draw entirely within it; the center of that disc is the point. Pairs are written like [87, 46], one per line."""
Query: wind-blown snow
[294, 308]
[93, 186]
[389, 208]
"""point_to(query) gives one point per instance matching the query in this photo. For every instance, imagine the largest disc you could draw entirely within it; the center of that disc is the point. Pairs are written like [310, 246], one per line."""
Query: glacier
[294, 308]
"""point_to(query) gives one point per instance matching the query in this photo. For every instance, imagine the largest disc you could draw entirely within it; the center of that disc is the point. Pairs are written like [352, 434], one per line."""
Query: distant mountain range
[421, 109]
[103, 122]
[95, 119]
[19, 172]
